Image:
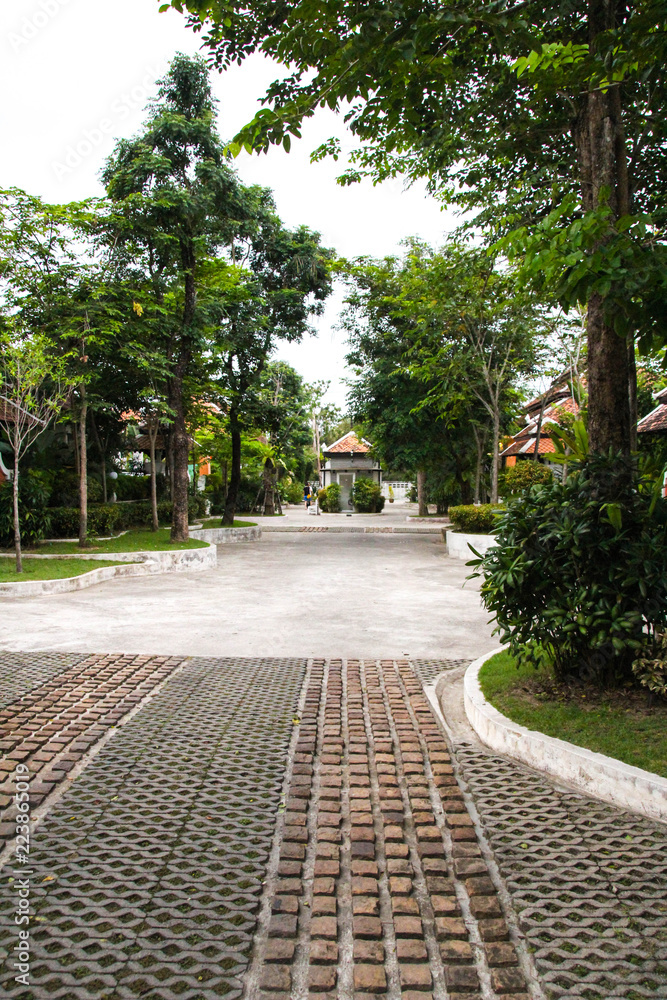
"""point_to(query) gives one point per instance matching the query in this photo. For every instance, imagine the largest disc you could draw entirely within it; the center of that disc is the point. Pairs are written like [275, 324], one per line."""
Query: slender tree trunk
[83, 471]
[269, 493]
[17, 519]
[102, 453]
[600, 142]
[421, 493]
[180, 444]
[152, 436]
[180, 451]
[632, 392]
[495, 457]
[235, 477]
[479, 444]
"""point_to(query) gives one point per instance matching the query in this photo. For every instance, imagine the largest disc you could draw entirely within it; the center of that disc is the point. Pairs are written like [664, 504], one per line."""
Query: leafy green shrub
[367, 496]
[291, 492]
[247, 495]
[580, 571]
[650, 667]
[329, 499]
[103, 519]
[65, 489]
[34, 516]
[478, 519]
[516, 479]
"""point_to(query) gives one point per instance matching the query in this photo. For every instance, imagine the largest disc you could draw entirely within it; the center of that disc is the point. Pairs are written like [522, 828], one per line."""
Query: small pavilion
[347, 460]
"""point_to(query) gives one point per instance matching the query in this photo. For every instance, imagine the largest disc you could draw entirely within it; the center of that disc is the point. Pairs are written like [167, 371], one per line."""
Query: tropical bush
[329, 499]
[367, 496]
[579, 575]
[291, 492]
[478, 519]
[65, 489]
[516, 479]
[34, 517]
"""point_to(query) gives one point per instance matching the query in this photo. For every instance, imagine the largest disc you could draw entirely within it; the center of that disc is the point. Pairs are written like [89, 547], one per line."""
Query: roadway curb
[592, 773]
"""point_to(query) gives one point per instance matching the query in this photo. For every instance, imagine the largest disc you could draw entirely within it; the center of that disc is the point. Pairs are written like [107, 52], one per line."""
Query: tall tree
[285, 283]
[179, 203]
[529, 112]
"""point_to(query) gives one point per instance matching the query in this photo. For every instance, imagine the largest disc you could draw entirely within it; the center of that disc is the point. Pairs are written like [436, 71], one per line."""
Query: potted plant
[391, 494]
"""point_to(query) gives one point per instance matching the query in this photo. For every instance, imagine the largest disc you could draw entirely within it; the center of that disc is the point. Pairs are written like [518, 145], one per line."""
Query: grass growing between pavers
[138, 540]
[48, 569]
[616, 723]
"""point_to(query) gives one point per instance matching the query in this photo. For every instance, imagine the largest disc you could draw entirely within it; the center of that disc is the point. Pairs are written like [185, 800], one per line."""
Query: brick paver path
[272, 829]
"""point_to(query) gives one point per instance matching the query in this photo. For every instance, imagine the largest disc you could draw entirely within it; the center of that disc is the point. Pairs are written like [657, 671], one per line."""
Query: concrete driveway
[303, 594]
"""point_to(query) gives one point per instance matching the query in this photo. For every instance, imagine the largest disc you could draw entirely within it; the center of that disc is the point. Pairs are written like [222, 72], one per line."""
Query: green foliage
[580, 571]
[34, 519]
[515, 479]
[650, 668]
[480, 519]
[367, 496]
[329, 499]
[291, 492]
[137, 487]
[102, 520]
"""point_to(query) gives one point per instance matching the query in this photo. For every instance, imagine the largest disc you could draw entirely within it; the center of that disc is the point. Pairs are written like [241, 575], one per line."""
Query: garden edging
[36, 588]
[226, 536]
[594, 774]
[459, 543]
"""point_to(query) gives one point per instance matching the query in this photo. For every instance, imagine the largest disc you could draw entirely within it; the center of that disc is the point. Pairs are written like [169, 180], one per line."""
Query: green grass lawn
[613, 723]
[48, 569]
[216, 522]
[138, 540]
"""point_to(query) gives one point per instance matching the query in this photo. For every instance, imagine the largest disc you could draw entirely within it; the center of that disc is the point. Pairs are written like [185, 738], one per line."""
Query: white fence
[400, 490]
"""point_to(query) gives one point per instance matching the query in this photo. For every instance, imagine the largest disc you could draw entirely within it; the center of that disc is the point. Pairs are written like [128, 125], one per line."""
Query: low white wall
[459, 542]
[226, 536]
[166, 560]
[35, 588]
[591, 773]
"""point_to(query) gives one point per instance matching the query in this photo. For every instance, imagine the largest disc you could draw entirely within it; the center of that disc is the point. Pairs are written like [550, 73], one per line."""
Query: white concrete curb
[142, 564]
[35, 588]
[593, 774]
[458, 544]
[226, 536]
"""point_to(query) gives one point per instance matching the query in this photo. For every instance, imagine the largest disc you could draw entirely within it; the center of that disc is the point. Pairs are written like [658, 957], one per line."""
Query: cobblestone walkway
[68, 704]
[186, 862]
[148, 871]
[380, 886]
[589, 882]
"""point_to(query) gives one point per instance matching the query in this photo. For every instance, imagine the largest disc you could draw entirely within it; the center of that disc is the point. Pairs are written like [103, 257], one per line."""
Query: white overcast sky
[76, 74]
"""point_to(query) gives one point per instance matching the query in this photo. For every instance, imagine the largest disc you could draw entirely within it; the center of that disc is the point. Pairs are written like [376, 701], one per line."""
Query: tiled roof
[654, 421]
[527, 447]
[523, 443]
[350, 442]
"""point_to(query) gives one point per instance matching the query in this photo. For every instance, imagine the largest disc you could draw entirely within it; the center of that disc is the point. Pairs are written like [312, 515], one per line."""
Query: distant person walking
[307, 495]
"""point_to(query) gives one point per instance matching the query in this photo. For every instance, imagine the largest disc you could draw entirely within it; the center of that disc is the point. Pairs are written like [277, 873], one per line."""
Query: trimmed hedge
[105, 519]
[478, 519]
[329, 499]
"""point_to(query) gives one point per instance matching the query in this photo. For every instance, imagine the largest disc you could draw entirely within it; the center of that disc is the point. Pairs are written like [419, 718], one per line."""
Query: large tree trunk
[600, 140]
[235, 477]
[83, 471]
[180, 451]
[180, 445]
[17, 519]
[421, 493]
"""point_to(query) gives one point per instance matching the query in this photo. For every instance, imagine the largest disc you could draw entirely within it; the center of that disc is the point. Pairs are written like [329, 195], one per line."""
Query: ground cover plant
[49, 569]
[616, 722]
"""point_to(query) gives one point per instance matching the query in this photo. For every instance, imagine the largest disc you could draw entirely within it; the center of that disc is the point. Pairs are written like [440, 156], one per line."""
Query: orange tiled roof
[350, 442]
